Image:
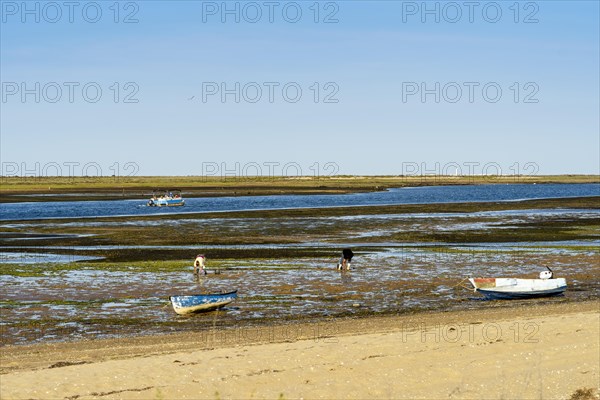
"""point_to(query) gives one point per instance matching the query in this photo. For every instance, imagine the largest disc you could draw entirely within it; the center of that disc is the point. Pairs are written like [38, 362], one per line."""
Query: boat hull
[512, 288]
[167, 203]
[499, 295]
[201, 303]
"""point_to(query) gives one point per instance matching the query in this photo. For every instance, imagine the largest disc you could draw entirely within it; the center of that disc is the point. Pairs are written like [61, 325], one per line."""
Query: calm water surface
[415, 195]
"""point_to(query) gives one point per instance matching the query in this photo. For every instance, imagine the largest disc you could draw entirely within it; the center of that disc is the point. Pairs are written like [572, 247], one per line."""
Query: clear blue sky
[375, 61]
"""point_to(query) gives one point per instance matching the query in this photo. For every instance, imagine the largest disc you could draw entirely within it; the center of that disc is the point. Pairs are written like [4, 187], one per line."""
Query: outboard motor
[546, 274]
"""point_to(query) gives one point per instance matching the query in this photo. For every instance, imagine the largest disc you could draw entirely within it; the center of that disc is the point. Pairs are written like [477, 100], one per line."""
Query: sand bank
[536, 352]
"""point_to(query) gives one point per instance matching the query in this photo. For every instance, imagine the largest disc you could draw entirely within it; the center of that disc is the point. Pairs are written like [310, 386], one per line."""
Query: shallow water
[414, 195]
[50, 295]
[88, 302]
[37, 258]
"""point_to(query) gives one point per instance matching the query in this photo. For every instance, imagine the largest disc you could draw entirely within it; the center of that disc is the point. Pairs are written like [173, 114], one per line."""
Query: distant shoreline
[42, 189]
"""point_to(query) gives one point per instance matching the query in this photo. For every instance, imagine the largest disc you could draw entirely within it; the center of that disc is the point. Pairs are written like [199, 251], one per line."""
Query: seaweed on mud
[584, 394]
[284, 262]
[61, 364]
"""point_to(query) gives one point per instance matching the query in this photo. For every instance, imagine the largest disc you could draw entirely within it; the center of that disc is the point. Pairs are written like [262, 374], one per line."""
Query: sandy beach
[541, 351]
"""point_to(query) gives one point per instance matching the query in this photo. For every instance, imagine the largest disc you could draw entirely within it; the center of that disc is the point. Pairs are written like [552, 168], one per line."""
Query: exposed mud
[407, 260]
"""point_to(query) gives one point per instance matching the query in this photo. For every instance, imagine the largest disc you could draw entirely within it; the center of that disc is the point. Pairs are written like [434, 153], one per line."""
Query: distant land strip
[19, 189]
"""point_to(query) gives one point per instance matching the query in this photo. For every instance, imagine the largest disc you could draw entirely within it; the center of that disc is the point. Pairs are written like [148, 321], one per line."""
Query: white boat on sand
[515, 288]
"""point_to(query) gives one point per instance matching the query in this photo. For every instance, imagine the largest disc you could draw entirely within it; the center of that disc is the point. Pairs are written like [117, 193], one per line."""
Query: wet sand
[537, 351]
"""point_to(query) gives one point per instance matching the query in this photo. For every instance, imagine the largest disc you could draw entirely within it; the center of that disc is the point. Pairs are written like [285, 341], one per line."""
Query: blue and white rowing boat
[201, 302]
[514, 288]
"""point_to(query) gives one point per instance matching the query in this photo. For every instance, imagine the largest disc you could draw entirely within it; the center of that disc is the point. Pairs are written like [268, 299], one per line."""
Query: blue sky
[370, 68]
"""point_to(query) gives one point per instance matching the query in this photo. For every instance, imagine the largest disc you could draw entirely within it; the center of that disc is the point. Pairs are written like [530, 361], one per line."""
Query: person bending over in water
[344, 263]
[199, 264]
